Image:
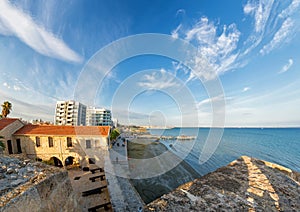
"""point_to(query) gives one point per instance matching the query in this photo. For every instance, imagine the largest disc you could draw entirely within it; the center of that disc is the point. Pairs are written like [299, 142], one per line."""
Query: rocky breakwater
[246, 184]
[33, 186]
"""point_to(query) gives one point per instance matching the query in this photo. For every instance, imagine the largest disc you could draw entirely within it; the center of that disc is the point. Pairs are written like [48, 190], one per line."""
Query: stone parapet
[246, 184]
[34, 186]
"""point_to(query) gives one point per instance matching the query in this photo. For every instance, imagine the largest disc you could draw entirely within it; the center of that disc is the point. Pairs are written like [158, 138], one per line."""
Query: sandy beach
[154, 187]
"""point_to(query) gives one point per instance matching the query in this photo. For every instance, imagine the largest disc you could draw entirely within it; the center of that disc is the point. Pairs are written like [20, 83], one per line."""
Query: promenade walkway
[123, 195]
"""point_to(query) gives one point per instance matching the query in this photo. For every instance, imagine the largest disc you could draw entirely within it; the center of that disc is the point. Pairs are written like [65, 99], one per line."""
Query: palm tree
[114, 134]
[6, 108]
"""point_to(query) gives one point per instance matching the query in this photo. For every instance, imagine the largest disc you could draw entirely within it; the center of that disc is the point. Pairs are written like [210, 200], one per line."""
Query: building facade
[8, 127]
[70, 113]
[64, 145]
[98, 117]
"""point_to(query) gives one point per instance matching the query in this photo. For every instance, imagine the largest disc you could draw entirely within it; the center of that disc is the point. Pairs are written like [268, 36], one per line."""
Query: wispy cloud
[287, 66]
[180, 12]
[261, 11]
[261, 107]
[219, 51]
[246, 89]
[209, 101]
[158, 80]
[290, 9]
[15, 22]
[174, 33]
[282, 34]
[223, 47]
[9, 86]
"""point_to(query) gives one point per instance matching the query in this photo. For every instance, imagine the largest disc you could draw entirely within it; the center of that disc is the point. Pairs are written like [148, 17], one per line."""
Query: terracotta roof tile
[63, 130]
[6, 121]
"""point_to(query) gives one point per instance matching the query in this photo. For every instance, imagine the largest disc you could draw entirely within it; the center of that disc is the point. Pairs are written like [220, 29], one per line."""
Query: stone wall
[34, 186]
[246, 184]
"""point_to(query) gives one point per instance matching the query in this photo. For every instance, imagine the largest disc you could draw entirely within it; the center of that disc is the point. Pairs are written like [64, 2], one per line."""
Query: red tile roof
[63, 130]
[6, 121]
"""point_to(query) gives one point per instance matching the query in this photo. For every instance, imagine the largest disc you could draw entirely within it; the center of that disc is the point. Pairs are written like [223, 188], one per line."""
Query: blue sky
[252, 47]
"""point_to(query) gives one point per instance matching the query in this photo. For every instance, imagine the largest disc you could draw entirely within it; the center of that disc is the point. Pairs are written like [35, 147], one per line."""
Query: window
[19, 145]
[97, 143]
[92, 161]
[88, 144]
[37, 141]
[69, 142]
[50, 141]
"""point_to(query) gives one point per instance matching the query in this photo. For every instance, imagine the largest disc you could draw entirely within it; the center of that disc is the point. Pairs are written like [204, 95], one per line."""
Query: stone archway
[69, 161]
[56, 162]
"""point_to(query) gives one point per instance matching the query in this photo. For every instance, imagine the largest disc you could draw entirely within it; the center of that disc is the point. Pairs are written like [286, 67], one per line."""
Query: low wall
[48, 190]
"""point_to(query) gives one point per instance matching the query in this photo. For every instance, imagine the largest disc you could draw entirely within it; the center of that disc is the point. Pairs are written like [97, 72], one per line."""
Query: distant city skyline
[252, 46]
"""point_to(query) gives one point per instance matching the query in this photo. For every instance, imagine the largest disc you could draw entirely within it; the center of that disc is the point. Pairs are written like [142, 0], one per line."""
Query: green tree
[2, 143]
[114, 134]
[6, 108]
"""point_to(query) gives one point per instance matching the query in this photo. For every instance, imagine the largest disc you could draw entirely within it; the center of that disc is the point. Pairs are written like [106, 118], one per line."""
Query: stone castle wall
[246, 184]
[33, 186]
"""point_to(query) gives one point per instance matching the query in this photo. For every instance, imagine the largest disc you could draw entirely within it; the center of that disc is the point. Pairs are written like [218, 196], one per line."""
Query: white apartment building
[98, 117]
[70, 113]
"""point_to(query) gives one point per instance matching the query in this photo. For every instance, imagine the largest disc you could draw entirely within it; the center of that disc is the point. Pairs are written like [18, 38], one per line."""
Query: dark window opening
[88, 144]
[92, 161]
[37, 141]
[9, 147]
[50, 141]
[19, 145]
[69, 142]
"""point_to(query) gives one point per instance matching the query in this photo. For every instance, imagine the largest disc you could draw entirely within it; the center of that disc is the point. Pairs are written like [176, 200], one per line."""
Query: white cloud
[174, 33]
[158, 80]
[248, 8]
[180, 11]
[5, 84]
[16, 88]
[246, 89]
[287, 66]
[282, 34]
[15, 22]
[209, 101]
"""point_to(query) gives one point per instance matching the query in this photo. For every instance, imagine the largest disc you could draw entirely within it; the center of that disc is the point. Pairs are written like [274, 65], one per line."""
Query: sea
[276, 145]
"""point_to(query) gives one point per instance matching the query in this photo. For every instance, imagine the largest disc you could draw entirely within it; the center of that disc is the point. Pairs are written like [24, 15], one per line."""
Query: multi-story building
[70, 113]
[98, 117]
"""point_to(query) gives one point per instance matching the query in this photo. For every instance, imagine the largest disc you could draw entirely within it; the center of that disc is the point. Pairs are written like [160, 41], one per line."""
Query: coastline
[151, 188]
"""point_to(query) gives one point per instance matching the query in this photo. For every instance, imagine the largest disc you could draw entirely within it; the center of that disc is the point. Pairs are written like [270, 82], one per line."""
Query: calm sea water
[277, 145]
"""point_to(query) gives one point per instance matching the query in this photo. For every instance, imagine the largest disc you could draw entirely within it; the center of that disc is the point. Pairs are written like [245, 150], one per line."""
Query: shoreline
[151, 188]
